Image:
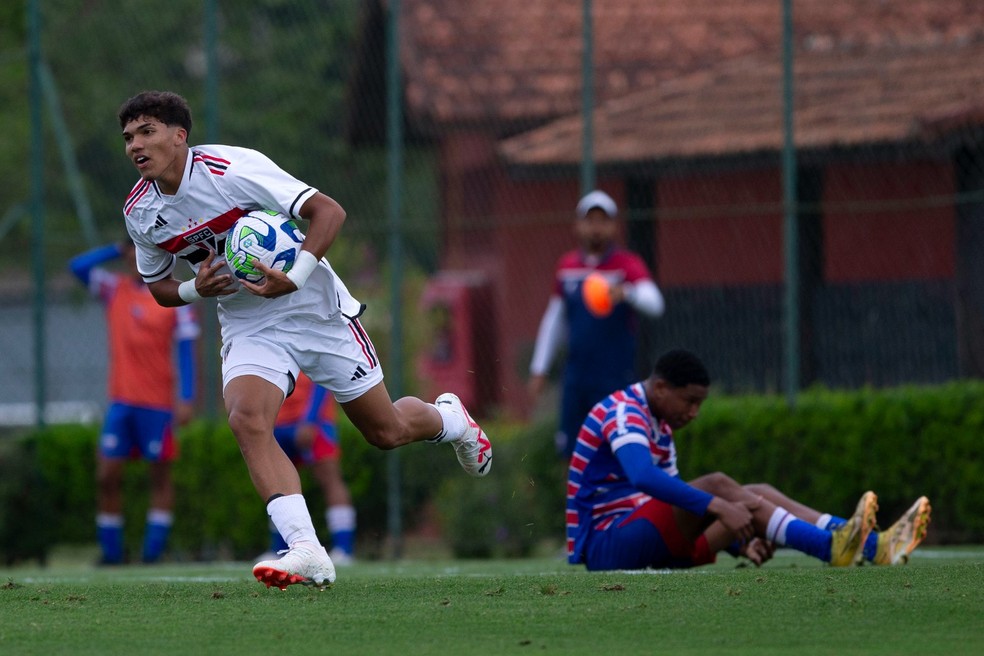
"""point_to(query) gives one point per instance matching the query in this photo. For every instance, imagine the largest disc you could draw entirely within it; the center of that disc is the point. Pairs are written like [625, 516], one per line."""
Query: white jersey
[220, 184]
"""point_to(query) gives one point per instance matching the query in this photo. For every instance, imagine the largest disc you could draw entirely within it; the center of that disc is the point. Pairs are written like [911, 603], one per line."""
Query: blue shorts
[324, 447]
[130, 431]
[646, 537]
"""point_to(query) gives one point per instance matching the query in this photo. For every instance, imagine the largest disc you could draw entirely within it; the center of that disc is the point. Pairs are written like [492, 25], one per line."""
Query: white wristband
[303, 266]
[188, 292]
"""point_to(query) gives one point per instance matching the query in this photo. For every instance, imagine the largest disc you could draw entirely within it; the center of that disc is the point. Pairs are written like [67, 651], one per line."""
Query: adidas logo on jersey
[160, 222]
[359, 373]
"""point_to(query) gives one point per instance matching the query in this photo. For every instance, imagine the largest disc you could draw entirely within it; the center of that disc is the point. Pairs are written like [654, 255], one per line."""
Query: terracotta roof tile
[520, 60]
[842, 98]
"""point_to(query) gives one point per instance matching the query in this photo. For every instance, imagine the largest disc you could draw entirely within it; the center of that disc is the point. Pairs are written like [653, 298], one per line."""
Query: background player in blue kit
[145, 342]
[307, 431]
[601, 351]
[627, 508]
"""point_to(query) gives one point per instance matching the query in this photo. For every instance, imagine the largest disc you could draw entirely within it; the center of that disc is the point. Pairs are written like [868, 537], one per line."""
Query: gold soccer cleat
[847, 541]
[896, 543]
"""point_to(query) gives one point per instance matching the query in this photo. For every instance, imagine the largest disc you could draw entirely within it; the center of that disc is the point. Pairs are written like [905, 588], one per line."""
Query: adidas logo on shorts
[359, 373]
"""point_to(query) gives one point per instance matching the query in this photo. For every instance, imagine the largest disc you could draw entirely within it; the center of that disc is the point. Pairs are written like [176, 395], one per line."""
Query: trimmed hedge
[901, 442]
[825, 452]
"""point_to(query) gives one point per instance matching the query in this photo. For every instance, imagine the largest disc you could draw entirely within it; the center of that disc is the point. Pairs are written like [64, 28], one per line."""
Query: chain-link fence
[687, 110]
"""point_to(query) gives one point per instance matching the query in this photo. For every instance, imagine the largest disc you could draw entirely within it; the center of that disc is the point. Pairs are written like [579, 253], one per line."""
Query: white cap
[599, 199]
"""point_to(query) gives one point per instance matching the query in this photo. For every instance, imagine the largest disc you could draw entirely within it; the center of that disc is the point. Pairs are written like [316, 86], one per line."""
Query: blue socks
[870, 545]
[109, 531]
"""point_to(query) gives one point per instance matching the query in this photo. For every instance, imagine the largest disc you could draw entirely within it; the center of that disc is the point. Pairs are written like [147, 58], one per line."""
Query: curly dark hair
[167, 107]
[681, 368]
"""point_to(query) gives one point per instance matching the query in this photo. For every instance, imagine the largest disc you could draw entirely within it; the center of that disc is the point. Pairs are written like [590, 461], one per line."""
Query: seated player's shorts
[133, 432]
[335, 353]
[324, 447]
[647, 537]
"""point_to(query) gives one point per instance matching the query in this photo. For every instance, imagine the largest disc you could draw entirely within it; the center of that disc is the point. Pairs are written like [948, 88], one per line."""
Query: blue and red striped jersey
[599, 492]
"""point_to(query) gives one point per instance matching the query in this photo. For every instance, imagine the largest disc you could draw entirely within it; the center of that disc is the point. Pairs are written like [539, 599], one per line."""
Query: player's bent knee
[717, 483]
[760, 489]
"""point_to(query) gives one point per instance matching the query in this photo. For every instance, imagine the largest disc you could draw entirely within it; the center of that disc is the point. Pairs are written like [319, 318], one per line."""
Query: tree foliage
[280, 87]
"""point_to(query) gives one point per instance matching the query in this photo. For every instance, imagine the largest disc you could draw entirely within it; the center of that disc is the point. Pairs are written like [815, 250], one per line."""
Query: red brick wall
[725, 230]
[872, 230]
[721, 230]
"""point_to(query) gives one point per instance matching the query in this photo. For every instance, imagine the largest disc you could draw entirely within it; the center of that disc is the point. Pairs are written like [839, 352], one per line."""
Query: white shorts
[335, 353]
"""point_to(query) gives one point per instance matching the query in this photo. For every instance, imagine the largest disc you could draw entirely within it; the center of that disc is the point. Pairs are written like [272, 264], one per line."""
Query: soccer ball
[265, 236]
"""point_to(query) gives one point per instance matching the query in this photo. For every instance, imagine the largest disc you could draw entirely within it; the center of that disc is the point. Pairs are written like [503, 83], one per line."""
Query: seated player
[307, 432]
[627, 508]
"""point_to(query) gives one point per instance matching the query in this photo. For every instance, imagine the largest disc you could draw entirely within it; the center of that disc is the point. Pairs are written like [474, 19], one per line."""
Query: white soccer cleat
[473, 448]
[304, 563]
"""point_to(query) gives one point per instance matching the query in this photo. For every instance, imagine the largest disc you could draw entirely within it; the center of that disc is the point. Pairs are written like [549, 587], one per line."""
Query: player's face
[677, 406]
[596, 231]
[157, 150]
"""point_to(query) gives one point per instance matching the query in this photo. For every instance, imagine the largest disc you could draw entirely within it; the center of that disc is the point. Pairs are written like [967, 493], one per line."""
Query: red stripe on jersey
[598, 412]
[658, 451]
[214, 165]
[213, 158]
[218, 226]
[589, 439]
[572, 489]
[578, 462]
[136, 194]
[605, 523]
[572, 518]
[616, 505]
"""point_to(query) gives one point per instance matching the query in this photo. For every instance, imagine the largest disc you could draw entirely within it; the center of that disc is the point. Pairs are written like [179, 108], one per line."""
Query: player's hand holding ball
[599, 296]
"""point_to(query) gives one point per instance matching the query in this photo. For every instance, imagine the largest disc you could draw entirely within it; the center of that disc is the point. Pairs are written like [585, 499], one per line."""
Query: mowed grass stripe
[791, 605]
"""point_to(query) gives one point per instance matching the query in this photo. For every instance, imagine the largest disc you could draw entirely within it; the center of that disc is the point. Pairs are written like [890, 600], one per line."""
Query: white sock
[293, 520]
[108, 520]
[454, 426]
[776, 530]
[160, 517]
[340, 518]
[823, 521]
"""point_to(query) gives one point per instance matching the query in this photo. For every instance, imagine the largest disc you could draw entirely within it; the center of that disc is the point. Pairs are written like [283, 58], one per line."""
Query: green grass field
[934, 605]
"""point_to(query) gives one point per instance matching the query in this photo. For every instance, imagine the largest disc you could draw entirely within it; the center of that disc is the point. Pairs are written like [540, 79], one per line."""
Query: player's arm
[640, 291]
[548, 338]
[637, 463]
[170, 292]
[644, 296]
[186, 335]
[632, 451]
[325, 218]
[82, 264]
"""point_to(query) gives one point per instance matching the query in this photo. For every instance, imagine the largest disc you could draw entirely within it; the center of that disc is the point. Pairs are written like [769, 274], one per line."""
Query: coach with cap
[601, 348]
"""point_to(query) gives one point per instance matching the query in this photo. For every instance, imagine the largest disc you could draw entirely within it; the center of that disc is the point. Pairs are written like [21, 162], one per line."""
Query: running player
[601, 351]
[628, 509]
[143, 338]
[306, 320]
[308, 433]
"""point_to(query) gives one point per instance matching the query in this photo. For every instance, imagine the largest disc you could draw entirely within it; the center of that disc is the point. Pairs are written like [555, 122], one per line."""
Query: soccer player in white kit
[182, 207]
